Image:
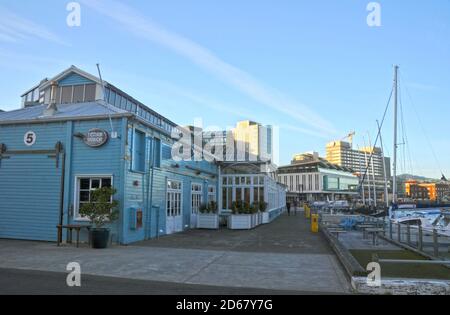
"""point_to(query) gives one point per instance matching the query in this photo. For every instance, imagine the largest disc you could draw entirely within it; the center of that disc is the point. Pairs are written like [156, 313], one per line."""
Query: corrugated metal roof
[65, 111]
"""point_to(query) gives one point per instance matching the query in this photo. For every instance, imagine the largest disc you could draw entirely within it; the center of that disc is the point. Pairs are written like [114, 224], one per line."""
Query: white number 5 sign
[30, 138]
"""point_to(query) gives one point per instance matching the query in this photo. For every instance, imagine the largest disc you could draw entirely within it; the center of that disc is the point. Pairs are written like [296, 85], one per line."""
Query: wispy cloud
[208, 102]
[421, 86]
[140, 26]
[14, 28]
[309, 132]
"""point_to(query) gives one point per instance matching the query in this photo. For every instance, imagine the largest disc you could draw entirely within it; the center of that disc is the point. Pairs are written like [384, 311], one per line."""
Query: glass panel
[118, 100]
[89, 95]
[106, 182]
[238, 193]
[247, 195]
[255, 194]
[261, 194]
[84, 183]
[224, 198]
[84, 196]
[95, 183]
[78, 93]
[112, 98]
[66, 94]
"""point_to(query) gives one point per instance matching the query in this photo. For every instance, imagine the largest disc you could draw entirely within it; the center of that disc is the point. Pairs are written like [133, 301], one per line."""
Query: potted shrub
[208, 217]
[241, 217]
[100, 211]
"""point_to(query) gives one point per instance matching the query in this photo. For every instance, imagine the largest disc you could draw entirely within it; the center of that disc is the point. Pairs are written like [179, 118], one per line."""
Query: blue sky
[314, 68]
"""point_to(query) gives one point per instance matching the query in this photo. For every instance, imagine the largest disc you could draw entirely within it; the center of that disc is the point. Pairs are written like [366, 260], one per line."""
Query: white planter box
[265, 217]
[240, 221]
[208, 221]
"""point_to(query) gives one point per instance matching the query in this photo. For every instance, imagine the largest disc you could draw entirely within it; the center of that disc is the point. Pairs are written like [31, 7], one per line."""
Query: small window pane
[106, 182]
[90, 93]
[95, 183]
[66, 94]
[78, 92]
[84, 196]
[84, 183]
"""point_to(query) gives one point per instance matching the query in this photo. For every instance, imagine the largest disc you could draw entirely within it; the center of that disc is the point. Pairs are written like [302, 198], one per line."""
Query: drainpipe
[219, 192]
[61, 197]
[150, 187]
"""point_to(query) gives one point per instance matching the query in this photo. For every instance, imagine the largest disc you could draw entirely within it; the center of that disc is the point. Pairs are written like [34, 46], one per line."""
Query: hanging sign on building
[96, 137]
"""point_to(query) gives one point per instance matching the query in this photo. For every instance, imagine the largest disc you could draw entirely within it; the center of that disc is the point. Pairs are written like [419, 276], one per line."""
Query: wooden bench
[70, 228]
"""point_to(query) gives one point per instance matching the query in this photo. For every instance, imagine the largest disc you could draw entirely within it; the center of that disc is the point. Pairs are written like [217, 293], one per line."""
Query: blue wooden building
[52, 158]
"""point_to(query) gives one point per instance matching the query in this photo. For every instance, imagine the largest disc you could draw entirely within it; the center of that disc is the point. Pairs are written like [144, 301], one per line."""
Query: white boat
[428, 220]
[442, 224]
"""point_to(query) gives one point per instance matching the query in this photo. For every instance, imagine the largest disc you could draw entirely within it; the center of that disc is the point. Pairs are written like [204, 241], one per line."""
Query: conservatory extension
[251, 198]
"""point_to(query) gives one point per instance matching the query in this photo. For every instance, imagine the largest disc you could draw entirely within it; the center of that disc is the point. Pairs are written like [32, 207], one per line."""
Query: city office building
[371, 169]
[312, 178]
[248, 141]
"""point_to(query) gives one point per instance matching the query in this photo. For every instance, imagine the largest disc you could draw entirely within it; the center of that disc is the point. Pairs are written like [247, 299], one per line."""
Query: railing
[427, 241]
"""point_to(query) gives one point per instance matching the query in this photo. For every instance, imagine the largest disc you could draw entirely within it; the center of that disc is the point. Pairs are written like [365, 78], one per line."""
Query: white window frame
[172, 192]
[198, 196]
[76, 208]
[212, 195]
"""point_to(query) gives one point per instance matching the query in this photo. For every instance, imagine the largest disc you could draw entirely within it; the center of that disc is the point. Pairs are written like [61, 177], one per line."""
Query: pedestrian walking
[288, 206]
[295, 206]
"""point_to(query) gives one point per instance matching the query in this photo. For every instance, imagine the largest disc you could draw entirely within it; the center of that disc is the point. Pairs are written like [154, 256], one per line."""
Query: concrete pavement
[292, 259]
[30, 282]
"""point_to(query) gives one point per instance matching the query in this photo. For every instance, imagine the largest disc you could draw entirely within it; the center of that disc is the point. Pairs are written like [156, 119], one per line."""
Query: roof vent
[51, 108]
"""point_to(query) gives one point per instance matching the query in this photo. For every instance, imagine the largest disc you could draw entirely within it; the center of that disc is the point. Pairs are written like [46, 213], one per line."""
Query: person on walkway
[295, 206]
[288, 206]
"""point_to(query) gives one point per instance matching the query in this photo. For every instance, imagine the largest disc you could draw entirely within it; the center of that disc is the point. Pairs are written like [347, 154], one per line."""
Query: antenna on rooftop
[113, 133]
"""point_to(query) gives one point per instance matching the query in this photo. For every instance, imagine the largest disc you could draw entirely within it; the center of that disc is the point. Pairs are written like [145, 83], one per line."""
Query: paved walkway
[281, 256]
[287, 234]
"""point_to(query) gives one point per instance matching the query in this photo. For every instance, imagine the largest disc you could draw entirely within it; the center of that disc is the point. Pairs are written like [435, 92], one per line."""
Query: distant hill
[415, 177]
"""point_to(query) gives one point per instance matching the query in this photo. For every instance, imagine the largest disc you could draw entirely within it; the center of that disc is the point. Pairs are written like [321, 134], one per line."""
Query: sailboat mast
[372, 151]
[386, 193]
[394, 181]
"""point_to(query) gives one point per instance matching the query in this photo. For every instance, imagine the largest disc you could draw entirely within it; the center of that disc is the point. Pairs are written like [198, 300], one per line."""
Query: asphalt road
[16, 281]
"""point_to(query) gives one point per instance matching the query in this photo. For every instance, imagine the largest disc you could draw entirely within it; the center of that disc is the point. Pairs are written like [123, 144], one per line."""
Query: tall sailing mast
[386, 193]
[394, 164]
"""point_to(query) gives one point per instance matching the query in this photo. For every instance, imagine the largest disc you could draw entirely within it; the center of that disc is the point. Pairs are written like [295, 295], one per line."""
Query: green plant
[263, 206]
[212, 206]
[235, 207]
[246, 208]
[203, 208]
[254, 208]
[101, 209]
